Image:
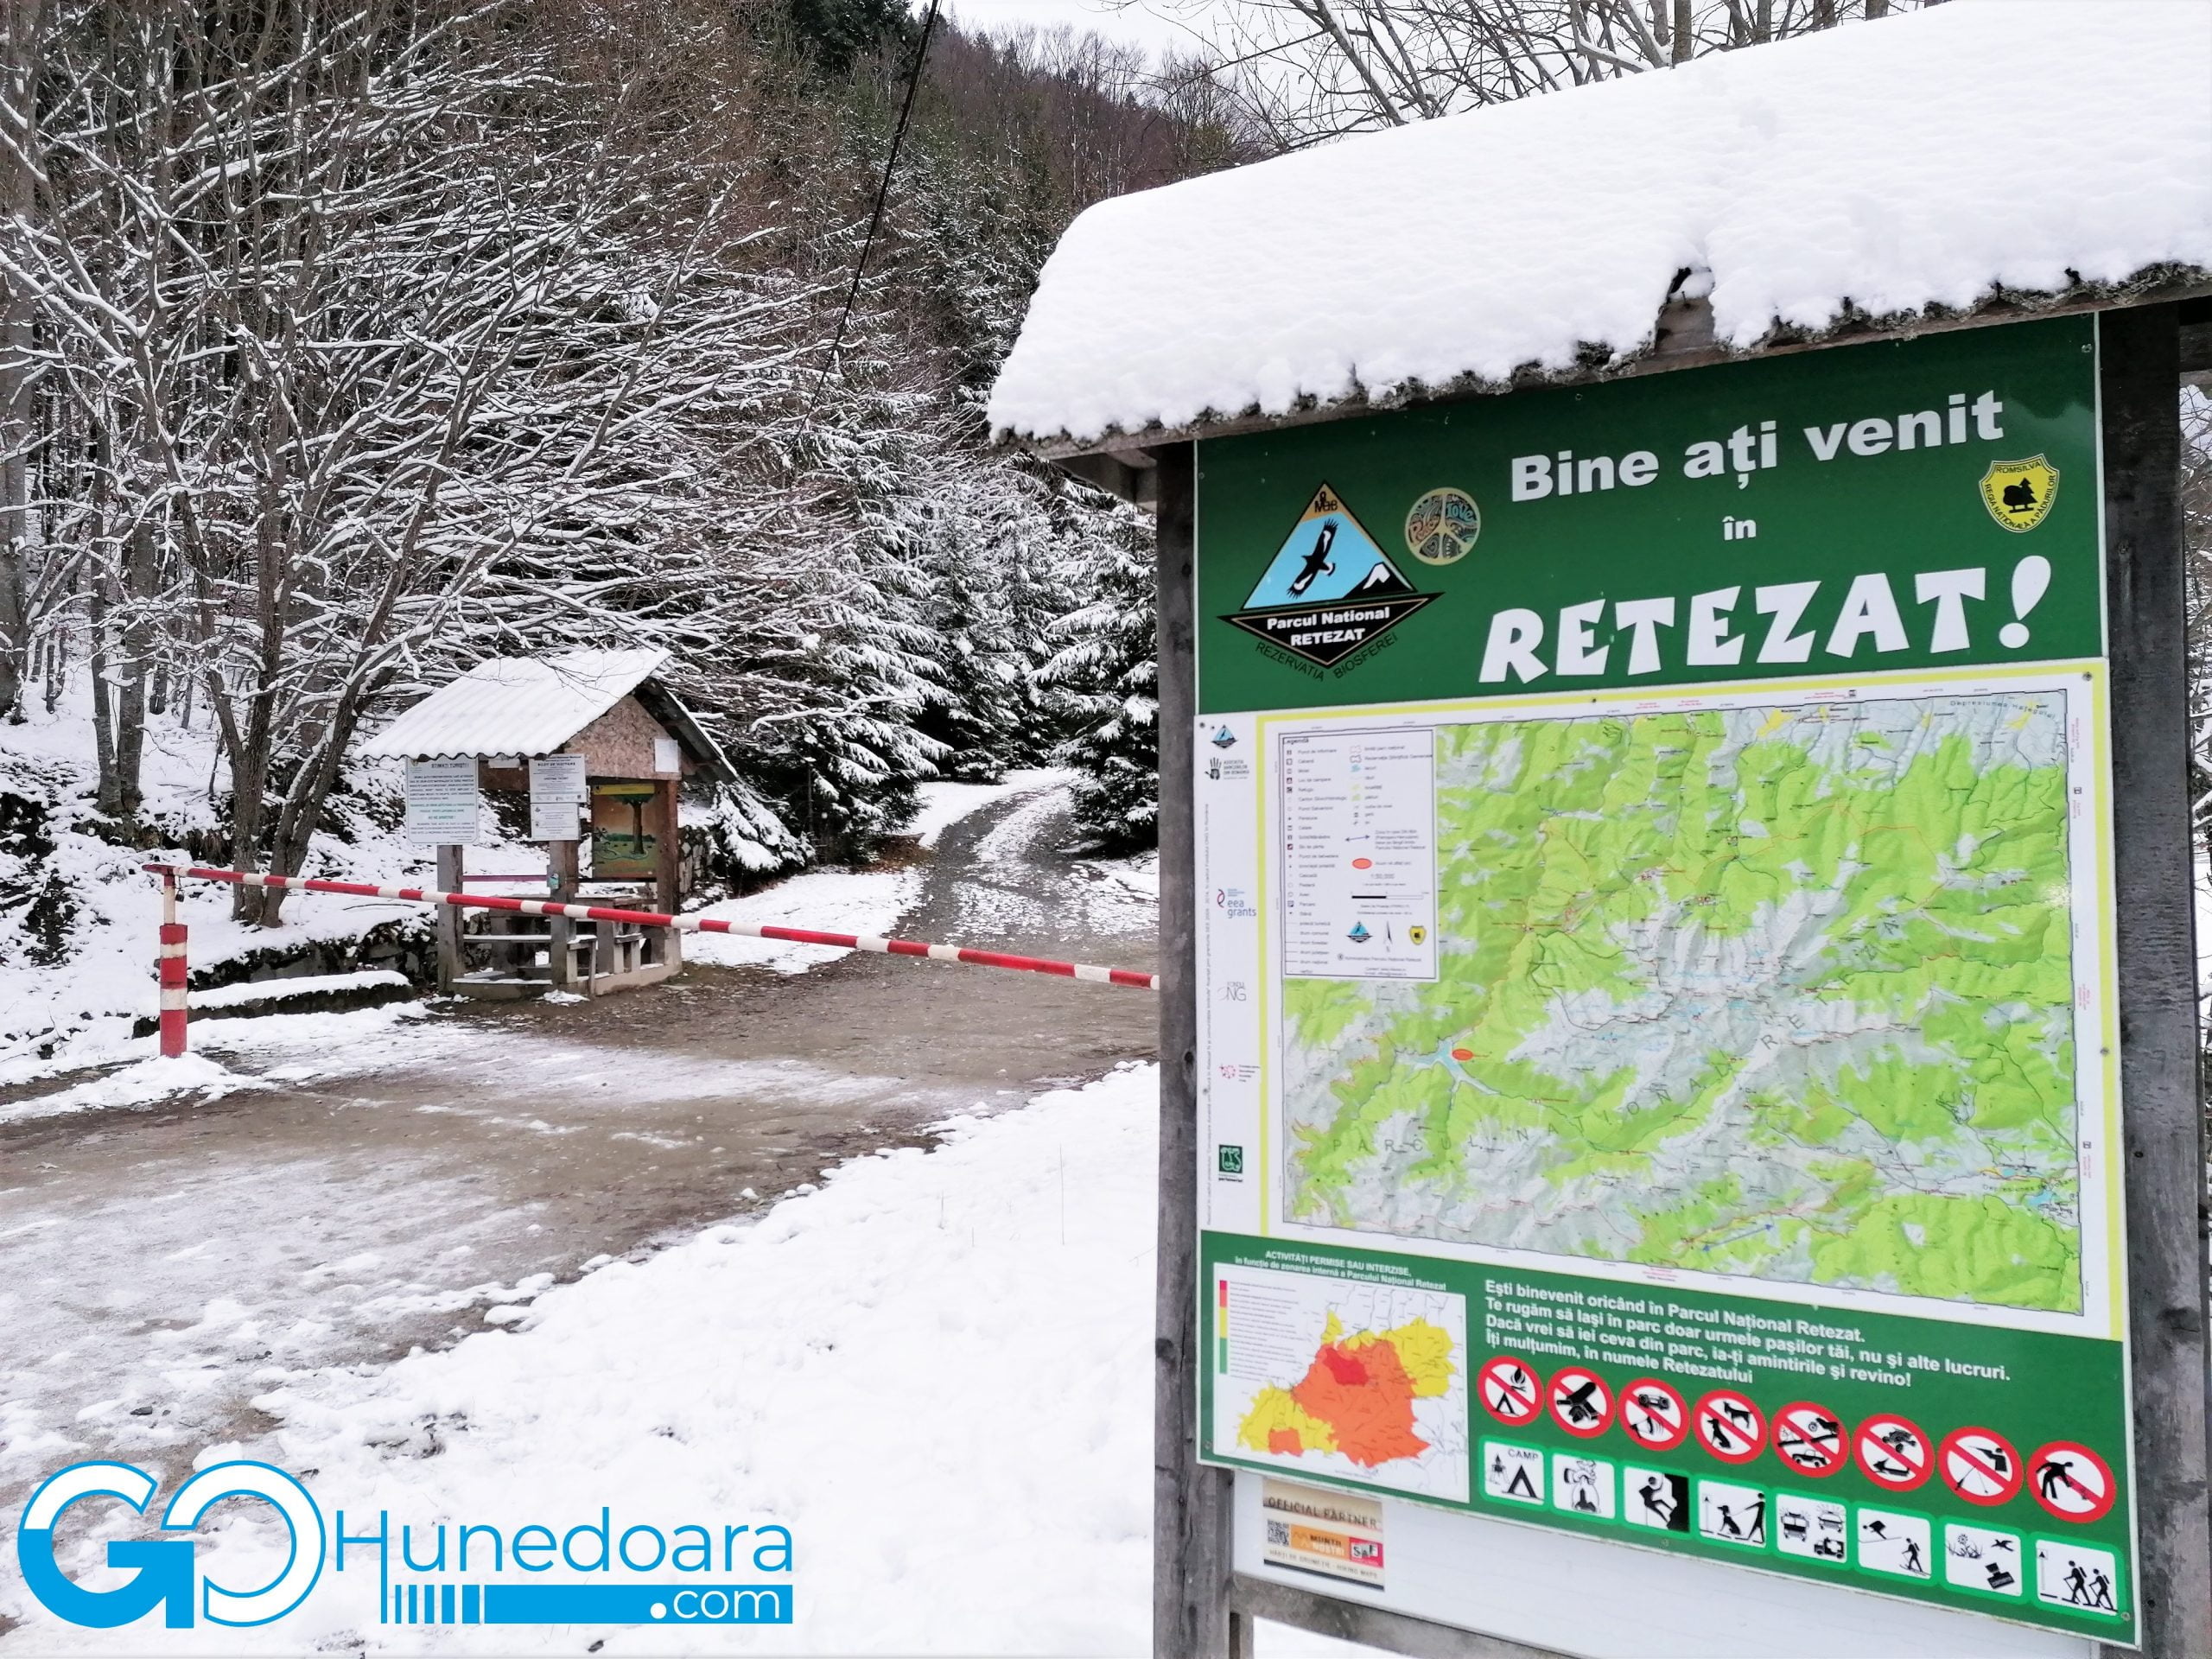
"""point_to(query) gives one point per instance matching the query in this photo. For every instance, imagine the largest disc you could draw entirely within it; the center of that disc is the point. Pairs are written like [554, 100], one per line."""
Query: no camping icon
[1981, 1465]
[1893, 1453]
[1509, 1391]
[1810, 1439]
[1730, 1426]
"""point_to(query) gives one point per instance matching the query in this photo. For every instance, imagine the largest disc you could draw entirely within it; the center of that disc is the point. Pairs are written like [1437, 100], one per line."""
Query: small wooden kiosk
[601, 746]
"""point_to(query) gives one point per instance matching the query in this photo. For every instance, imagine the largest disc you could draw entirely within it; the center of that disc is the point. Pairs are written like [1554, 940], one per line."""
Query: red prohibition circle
[2072, 1481]
[1826, 1437]
[1889, 1432]
[1490, 1381]
[1580, 1403]
[1990, 1454]
[1645, 1405]
[1730, 1426]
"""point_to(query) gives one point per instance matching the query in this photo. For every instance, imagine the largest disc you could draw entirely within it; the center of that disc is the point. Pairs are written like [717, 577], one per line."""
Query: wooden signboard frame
[1203, 1608]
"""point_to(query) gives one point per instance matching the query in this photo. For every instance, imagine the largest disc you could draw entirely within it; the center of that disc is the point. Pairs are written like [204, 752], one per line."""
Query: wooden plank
[1191, 1503]
[2162, 1126]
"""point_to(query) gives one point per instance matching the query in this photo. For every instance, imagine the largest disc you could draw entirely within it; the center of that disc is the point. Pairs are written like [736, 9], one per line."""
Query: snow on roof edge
[2155, 284]
[1875, 178]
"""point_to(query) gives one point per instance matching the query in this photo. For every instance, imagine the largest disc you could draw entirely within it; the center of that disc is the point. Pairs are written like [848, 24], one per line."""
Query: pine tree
[1103, 680]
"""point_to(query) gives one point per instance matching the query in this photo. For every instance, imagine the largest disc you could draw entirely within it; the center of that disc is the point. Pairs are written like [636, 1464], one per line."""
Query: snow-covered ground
[61, 1015]
[945, 805]
[833, 901]
[935, 1370]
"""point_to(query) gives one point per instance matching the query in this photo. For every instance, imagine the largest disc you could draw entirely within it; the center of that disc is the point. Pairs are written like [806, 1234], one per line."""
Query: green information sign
[1659, 1045]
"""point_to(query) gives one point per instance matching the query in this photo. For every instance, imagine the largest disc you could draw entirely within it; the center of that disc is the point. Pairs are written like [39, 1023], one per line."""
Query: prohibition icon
[1581, 1404]
[1730, 1426]
[2071, 1481]
[1810, 1439]
[1892, 1452]
[1981, 1465]
[1654, 1415]
[1510, 1391]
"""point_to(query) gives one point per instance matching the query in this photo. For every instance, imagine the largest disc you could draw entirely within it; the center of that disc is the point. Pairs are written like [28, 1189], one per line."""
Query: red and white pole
[1134, 978]
[173, 972]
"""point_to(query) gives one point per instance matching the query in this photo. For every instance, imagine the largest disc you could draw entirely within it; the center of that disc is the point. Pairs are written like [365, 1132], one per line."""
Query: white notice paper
[443, 802]
[558, 794]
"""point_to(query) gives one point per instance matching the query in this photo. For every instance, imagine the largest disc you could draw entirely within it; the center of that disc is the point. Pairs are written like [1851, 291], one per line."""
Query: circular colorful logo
[1442, 527]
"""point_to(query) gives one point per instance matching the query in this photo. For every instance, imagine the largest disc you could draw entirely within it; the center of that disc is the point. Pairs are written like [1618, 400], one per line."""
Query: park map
[1778, 992]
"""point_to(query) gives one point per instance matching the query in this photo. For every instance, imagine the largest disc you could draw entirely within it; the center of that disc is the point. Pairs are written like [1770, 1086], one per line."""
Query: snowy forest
[347, 345]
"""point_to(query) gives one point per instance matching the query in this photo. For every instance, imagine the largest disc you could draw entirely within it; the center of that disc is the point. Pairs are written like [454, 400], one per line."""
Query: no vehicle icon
[2071, 1481]
[1509, 1391]
[1730, 1426]
[1981, 1465]
[1810, 1439]
[1654, 1415]
[1893, 1453]
[1581, 1403]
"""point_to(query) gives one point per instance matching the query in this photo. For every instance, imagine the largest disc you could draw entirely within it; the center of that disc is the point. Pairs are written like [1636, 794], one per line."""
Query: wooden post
[668, 867]
[2163, 1124]
[1190, 1509]
[560, 954]
[448, 920]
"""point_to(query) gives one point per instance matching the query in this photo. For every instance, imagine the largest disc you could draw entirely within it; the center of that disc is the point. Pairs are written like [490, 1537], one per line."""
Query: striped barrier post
[1128, 976]
[172, 969]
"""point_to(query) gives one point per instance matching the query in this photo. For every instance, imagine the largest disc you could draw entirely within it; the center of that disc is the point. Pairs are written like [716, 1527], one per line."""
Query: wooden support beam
[1191, 1564]
[560, 955]
[2163, 1121]
[448, 921]
[668, 867]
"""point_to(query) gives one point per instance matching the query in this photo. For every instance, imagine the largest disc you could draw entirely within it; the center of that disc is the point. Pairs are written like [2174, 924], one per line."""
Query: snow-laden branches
[1306, 70]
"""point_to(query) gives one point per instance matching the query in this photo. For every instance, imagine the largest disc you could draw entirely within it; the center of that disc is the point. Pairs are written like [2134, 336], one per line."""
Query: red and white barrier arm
[686, 924]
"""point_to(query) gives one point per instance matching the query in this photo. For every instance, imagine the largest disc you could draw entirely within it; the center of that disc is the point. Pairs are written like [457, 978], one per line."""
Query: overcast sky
[1155, 31]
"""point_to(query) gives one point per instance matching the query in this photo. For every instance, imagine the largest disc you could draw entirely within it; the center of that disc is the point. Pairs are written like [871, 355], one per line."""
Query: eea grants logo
[1330, 589]
[2018, 493]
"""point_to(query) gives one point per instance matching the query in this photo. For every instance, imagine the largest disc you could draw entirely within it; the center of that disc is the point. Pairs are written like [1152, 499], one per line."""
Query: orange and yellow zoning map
[1357, 1398]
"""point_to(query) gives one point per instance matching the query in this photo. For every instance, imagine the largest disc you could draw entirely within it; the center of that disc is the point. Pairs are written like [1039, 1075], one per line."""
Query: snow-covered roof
[517, 705]
[1878, 169]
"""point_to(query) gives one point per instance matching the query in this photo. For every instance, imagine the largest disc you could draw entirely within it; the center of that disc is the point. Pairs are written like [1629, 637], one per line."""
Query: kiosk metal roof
[534, 705]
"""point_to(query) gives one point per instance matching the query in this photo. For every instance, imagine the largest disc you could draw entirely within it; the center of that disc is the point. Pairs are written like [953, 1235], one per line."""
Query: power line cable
[876, 214]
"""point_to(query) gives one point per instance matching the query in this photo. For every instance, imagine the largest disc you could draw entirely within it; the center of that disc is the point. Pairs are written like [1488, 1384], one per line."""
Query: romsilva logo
[2018, 493]
[1330, 589]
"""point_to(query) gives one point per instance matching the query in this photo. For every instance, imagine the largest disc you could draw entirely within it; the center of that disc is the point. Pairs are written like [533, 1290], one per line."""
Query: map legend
[1359, 854]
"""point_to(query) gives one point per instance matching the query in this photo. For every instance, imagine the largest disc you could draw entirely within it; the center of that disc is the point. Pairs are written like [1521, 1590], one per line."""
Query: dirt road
[163, 1267]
